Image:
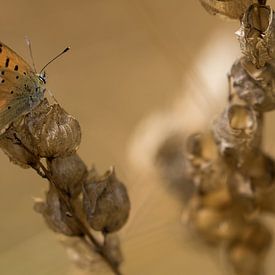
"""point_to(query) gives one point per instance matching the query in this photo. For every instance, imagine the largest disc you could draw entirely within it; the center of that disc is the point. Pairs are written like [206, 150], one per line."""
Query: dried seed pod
[50, 132]
[105, 201]
[245, 261]
[68, 173]
[171, 162]
[233, 9]
[255, 236]
[204, 166]
[254, 86]
[247, 251]
[215, 225]
[256, 34]
[56, 214]
[238, 133]
[13, 148]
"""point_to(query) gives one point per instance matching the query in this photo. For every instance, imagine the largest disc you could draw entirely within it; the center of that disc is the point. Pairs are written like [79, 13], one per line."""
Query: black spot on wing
[7, 62]
[16, 67]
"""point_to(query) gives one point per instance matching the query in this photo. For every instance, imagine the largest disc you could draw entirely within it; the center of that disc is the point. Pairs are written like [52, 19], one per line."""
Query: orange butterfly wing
[18, 82]
[9, 59]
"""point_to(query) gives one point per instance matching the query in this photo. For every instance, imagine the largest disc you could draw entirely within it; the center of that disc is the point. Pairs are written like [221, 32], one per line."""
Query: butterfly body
[21, 88]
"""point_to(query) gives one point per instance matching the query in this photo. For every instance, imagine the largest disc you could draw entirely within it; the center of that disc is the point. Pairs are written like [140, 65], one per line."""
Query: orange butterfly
[21, 88]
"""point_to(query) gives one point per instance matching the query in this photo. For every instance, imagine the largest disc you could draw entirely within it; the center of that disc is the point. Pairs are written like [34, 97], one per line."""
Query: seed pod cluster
[47, 139]
[237, 183]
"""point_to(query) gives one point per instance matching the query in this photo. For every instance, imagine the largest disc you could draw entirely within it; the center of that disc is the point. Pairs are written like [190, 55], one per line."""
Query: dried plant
[79, 202]
[228, 181]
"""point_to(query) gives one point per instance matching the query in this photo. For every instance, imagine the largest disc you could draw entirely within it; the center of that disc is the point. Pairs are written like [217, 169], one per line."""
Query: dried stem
[45, 174]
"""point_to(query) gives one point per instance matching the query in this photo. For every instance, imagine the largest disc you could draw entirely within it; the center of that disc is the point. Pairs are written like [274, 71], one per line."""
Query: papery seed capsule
[233, 9]
[14, 149]
[256, 87]
[68, 173]
[51, 132]
[105, 201]
[57, 215]
[256, 34]
[244, 260]
[237, 133]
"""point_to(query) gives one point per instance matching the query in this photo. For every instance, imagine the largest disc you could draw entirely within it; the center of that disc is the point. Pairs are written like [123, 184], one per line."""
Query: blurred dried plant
[232, 9]
[79, 203]
[227, 180]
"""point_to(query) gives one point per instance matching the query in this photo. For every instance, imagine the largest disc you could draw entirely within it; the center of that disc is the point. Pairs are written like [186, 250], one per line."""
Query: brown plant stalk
[79, 202]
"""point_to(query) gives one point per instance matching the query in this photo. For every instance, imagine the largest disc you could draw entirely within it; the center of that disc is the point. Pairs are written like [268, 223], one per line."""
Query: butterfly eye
[42, 78]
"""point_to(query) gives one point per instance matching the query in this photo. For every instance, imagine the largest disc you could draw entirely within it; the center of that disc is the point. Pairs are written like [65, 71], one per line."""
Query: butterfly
[21, 87]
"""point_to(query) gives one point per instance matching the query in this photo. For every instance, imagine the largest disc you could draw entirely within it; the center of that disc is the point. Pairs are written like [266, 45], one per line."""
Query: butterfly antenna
[64, 51]
[30, 50]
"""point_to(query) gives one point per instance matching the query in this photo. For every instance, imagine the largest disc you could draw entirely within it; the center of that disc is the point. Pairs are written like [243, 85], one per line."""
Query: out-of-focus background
[129, 60]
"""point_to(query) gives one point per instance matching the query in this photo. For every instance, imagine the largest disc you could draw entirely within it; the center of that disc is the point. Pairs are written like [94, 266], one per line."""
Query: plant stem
[99, 248]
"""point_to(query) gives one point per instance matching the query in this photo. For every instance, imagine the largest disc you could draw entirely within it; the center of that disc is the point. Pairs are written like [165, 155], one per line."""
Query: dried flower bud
[68, 173]
[56, 214]
[237, 133]
[50, 132]
[233, 9]
[13, 148]
[171, 162]
[106, 202]
[256, 35]
[203, 166]
[254, 86]
[245, 261]
[247, 251]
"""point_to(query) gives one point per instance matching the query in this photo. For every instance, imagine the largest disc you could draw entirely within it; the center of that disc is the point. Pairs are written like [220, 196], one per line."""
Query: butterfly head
[42, 77]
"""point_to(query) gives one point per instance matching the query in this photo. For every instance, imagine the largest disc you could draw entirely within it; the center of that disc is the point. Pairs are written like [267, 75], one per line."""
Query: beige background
[128, 59]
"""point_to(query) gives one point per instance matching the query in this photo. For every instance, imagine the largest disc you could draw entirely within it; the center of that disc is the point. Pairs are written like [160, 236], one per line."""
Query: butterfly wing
[18, 95]
[20, 88]
[9, 59]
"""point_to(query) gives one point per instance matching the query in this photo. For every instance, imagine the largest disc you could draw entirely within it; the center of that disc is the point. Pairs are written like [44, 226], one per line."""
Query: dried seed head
[171, 162]
[106, 202]
[13, 148]
[247, 251]
[68, 173]
[245, 261]
[203, 165]
[256, 34]
[50, 132]
[237, 133]
[56, 214]
[233, 9]
[255, 87]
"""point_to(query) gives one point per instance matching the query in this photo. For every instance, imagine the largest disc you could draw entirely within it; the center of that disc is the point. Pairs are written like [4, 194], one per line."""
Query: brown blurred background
[128, 59]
